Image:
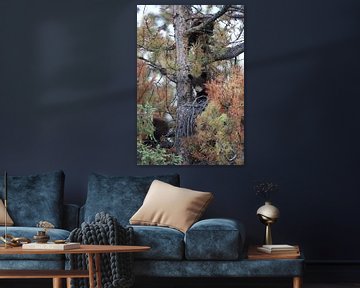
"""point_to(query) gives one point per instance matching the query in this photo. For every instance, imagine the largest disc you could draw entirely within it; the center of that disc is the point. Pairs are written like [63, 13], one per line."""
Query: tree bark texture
[183, 88]
[187, 109]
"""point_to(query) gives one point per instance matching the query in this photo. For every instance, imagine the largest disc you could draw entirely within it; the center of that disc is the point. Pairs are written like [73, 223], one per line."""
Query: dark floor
[47, 284]
[238, 283]
[253, 283]
[332, 285]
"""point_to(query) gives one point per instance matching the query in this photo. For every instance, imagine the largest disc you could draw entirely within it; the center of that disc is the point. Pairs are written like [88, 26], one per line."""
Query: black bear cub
[160, 133]
[198, 83]
[201, 36]
[161, 128]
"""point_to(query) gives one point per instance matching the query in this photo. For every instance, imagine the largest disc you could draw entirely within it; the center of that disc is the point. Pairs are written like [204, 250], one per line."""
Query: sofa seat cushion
[39, 264]
[29, 232]
[35, 198]
[120, 196]
[213, 269]
[166, 243]
[214, 239]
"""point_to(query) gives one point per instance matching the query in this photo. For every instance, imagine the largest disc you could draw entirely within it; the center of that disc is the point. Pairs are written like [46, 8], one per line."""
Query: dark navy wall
[67, 100]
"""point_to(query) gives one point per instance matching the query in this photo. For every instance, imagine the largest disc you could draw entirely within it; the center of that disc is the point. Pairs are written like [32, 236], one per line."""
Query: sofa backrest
[70, 219]
[35, 198]
[119, 196]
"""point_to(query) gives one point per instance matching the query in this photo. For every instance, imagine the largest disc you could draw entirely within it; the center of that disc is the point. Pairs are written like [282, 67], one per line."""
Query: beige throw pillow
[9, 221]
[170, 206]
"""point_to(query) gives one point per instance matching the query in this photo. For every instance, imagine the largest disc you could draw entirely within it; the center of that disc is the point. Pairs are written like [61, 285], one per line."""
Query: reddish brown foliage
[219, 136]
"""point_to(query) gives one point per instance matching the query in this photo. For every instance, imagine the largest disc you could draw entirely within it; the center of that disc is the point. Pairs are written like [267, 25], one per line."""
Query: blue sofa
[32, 199]
[210, 248]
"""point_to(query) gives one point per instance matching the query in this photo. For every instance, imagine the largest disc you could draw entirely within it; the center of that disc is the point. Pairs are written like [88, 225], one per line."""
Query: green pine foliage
[164, 90]
[211, 144]
[156, 156]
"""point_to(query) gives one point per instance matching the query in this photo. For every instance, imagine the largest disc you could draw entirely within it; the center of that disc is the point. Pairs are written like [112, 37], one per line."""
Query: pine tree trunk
[183, 88]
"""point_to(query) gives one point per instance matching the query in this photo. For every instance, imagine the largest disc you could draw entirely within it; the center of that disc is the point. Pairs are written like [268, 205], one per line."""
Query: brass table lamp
[268, 214]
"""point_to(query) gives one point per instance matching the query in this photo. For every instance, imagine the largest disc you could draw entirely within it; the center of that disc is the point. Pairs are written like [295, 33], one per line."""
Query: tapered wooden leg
[57, 283]
[68, 282]
[297, 282]
[98, 270]
[91, 270]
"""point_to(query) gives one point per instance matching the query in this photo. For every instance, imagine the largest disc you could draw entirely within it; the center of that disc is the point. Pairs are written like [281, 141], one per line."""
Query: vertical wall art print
[190, 84]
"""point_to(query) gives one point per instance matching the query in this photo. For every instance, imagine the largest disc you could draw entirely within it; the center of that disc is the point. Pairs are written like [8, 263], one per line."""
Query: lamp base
[268, 237]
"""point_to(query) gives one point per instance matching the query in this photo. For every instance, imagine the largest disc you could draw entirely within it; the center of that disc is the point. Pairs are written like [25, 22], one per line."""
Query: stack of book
[51, 246]
[279, 249]
[282, 251]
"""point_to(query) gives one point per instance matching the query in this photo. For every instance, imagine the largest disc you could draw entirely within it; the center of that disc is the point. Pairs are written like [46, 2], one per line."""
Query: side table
[288, 259]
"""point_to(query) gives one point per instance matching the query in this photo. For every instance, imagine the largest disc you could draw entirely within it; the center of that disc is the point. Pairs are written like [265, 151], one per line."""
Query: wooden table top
[91, 249]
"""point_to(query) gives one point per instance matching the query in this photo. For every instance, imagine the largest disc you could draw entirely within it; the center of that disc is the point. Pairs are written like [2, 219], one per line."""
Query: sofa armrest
[215, 239]
[71, 216]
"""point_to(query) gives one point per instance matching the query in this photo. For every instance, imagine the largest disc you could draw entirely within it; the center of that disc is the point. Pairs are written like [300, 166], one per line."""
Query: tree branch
[162, 70]
[240, 16]
[229, 53]
[166, 48]
[202, 26]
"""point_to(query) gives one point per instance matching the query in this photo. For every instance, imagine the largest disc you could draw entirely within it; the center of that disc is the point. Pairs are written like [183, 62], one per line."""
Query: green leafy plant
[156, 156]
[145, 127]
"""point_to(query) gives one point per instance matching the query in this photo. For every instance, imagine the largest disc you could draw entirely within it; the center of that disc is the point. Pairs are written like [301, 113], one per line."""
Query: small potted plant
[265, 189]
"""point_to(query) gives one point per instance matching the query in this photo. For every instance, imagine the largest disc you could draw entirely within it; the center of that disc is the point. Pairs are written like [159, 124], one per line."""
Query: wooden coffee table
[92, 251]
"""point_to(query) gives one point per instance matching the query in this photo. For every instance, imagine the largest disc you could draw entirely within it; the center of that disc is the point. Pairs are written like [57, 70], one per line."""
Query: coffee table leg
[68, 282]
[91, 270]
[98, 270]
[57, 283]
[297, 282]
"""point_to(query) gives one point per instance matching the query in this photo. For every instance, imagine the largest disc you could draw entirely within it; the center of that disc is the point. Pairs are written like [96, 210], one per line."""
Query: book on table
[254, 253]
[278, 249]
[51, 246]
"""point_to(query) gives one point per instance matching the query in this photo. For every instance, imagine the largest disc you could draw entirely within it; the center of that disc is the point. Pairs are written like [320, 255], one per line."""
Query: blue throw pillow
[35, 198]
[120, 196]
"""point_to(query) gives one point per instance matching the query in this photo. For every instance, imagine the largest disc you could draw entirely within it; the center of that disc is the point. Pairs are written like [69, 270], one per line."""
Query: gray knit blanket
[116, 268]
